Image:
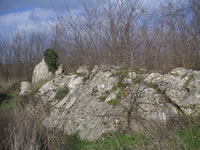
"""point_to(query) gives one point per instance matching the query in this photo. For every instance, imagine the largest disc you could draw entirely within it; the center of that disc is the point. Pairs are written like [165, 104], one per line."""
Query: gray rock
[159, 97]
[25, 88]
[112, 95]
[59, 71]
[83, 70]
[41, 72]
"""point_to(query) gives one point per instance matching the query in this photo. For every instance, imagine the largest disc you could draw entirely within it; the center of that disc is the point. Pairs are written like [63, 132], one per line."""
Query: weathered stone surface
[59, 71]
[98, 102]
[83, 70]
[41, 72]
[112, 95]
[25, 88]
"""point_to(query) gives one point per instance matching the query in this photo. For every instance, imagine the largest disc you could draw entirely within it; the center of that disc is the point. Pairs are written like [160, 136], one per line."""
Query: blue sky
[31, 14]
[41, 14]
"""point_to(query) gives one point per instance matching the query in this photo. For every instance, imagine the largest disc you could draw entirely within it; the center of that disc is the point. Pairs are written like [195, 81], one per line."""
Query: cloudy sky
[18, 14]
[39, 14]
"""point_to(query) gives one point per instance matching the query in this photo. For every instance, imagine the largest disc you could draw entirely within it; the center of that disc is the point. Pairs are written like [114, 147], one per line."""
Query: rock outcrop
[41, 72]
[107, 98]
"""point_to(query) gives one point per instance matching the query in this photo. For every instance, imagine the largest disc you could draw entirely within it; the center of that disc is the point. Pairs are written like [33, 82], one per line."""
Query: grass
[12, 99]
[61, 93]
[114, 101]
[103, 98]
[66, 73]
[190, 136]
[108, 143]
[122, 93]
[38, 85]
[121, 74]
[79, 74]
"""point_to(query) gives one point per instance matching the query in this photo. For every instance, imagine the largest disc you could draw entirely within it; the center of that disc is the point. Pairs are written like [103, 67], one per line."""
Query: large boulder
[108, 98]
[41, 72]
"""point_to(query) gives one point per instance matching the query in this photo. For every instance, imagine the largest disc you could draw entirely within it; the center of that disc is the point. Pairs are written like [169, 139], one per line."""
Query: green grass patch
[62, 93]
[122, 93]
[79, 74]
[108, 143]
[115, 101]
[103, 98]
[66, 73]
[13, 99]
[191, 136]
[122, 73]
[6, 106]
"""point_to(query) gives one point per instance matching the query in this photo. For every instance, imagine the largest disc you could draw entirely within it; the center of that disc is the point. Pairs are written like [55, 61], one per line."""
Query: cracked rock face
[100, 100]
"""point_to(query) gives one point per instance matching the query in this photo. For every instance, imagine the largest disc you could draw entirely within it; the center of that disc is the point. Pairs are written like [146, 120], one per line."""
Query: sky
[41, 14]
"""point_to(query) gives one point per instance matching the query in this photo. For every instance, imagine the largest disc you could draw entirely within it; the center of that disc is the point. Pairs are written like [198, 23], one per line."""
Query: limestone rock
[158, 97]
[83, 70]
[25, 88]
[59, 71]
[41, 72]
[112, 95]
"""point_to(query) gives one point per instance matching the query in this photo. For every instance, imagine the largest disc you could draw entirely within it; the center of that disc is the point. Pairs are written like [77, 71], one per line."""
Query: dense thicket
[121, 33]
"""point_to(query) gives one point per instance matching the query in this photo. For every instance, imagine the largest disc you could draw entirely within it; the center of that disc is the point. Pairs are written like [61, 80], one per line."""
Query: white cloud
[36, 18]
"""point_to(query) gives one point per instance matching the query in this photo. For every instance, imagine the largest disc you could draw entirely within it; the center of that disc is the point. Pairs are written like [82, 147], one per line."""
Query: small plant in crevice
[186, 84]
[51, 58]
[121, 94]
[62, 93]
[114, 101]
[121, 73]
[66, 73]
[79, 74]
[103, 97]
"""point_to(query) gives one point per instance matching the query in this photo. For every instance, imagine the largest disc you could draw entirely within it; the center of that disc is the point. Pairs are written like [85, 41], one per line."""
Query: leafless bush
[21, 53]
[114, 34]
[119, 33]
[22, 131]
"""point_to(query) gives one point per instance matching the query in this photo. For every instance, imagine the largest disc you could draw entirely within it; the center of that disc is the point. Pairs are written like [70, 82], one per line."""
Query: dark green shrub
[51, 58]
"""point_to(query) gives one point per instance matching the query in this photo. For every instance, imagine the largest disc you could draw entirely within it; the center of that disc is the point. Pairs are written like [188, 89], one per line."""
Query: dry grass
[8, 85]
[22, 131]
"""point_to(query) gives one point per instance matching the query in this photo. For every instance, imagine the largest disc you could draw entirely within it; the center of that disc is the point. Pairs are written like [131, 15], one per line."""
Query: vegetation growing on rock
[51, 59]
[62, 93]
